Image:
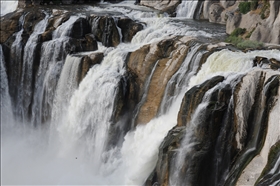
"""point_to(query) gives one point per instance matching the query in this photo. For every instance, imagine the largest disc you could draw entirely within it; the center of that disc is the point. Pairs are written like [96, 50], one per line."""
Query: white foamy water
[226, 62]
[8, 6]
[186, 9]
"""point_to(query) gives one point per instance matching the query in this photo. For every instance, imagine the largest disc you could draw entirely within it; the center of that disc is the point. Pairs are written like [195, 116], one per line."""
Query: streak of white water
[8, 6]
[186, 9]
[53, 54]
[65, 28]
[67, 84]
[5, 100]
[25, 99]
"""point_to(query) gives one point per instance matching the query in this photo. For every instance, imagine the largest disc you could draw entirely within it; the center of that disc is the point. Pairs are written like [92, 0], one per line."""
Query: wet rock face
[129, 28]
[105, 30]
[109, 30]
[266, 63]
[271, 174]
[153, 66]
[207, 136]
[13, 22]
[9, 24]
[80, 28]
[87, 62]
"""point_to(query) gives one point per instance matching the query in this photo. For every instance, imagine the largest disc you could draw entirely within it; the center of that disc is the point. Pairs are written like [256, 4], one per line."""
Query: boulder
[80, 28]
[168, 6]
[9, 24]
[31, 19]
[128, 28]
[105, 30]
[215, 11]
[87, 62]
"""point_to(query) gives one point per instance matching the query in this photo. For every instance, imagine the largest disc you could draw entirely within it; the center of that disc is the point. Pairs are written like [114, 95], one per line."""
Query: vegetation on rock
[236, 39]
[244, 7]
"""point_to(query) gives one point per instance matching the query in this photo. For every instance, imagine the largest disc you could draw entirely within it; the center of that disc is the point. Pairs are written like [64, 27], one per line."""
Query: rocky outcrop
[153, 65]
[111, 31]
[105, 30]
[128, 28]
[87, 62]
[210, 130]
[268, 30]
[168, 6]
[12, 23]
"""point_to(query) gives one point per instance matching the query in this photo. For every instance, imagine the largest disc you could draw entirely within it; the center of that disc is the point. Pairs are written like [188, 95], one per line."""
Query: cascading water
[53, 55]
[6, 106]
[29, 58]
[187, 9]
[77, 139]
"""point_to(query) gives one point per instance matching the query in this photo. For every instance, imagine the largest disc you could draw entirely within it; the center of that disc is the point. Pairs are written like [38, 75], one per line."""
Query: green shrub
[243, 44]
[238, 32]
[249, 44]
[244, 7]
[234, 40]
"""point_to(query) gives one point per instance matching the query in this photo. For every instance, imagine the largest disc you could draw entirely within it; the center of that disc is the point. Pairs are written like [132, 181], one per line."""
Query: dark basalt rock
[271, 172]
[31, 19]
[129, 28]
[80, 28]
[167, 151]
[193, 98]
[105, 30]
[264, 62]
[214, 154]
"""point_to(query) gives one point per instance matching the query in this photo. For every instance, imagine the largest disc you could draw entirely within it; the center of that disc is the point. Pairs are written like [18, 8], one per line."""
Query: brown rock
[168, 6]
[89, 43]
[167, 55]
[9, 24]
[31, 19]
[87, 62]
[129, 28]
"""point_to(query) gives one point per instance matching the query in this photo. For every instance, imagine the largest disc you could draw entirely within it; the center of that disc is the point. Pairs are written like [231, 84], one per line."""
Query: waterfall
[89, 118]
[187, 9]
[52, 59]
[29, 62]
[6, 106]
[67, 84]
[69, 129]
